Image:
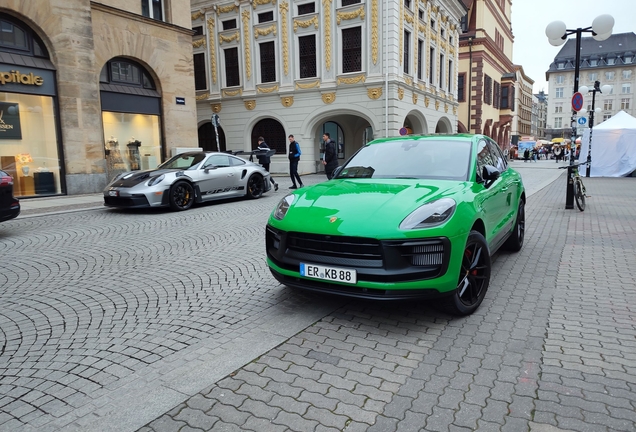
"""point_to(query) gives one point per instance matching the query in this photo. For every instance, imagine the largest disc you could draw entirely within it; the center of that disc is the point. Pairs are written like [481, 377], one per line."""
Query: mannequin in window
[115, 163]
[133, 153]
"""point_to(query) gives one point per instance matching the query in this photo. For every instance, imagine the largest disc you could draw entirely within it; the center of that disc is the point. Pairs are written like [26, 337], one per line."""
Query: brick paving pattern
[113, 321]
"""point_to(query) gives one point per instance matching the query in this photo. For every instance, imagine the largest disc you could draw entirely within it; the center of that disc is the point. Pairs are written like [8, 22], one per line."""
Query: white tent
[613, 147]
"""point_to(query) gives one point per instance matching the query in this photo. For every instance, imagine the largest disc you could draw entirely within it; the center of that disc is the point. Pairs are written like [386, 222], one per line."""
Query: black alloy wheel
[255, 186]
[515, 241]
[474, 278]
[579, 194]
[181, 196]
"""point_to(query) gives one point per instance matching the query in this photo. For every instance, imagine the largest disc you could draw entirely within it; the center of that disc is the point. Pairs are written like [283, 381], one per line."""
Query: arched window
[207, 138]
[19, 38]
[274, 135]
[126, 72]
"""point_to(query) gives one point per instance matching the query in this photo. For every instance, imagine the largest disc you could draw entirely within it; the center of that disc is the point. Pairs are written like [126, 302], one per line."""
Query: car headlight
[430, 214]
[156, 180]
[283, 206]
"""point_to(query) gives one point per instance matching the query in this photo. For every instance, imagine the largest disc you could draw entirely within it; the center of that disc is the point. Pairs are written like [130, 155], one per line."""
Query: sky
[531, 48]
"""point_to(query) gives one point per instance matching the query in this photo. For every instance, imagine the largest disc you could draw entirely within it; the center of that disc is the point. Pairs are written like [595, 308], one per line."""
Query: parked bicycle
[577, 183]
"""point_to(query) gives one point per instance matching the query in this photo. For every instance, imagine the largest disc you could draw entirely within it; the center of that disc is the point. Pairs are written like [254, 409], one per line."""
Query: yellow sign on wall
[19, 78]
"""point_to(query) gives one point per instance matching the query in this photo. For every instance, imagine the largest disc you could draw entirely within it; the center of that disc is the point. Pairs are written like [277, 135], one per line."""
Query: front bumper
[129, 198]
[388, 269]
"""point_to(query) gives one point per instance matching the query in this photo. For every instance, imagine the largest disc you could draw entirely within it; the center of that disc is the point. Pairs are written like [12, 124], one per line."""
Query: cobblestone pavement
[113, 320]
[552, 348]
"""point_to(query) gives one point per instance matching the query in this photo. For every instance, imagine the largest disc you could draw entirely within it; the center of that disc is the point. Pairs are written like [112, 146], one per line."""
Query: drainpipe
[470, 78]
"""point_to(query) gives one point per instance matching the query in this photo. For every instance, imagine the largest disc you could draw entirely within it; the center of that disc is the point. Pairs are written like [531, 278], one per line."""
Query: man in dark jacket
[294, 157]
[331, 155]
[264, 159]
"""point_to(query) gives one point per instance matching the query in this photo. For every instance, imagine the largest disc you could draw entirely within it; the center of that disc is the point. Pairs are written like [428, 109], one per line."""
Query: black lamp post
[557, 33]
[597, 88]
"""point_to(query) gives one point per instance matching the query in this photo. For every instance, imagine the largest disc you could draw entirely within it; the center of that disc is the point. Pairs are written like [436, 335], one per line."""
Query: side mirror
[490, 174]
[208, 167]
[336, 172]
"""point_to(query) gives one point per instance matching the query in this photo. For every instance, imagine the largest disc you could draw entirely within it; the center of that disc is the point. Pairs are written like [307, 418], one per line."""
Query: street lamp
[584, 89]
[557, 33]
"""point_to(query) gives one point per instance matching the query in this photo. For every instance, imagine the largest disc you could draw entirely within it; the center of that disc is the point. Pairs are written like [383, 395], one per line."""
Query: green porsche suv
[407, 217]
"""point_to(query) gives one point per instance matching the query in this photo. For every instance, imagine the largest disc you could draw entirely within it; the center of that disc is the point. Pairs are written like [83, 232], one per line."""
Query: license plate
[334, 274]
[113, 193]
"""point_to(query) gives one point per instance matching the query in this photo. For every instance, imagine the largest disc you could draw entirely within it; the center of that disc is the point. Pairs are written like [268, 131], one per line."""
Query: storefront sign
[15, 76]
[10, 121]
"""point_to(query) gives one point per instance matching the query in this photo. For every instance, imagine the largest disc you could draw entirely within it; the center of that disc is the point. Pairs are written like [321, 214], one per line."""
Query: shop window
[307, 50]
[307, 8]
[352, 50]
[152, 9]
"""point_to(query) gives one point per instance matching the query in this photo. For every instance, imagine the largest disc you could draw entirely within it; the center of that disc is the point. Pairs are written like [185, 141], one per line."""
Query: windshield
[185, 161]
[418, 159]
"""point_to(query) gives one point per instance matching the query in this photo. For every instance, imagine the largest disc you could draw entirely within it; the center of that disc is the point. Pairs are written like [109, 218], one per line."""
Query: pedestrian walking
[534, 154]
[264, 159]
[294, 157]
[330, 160]
[526, 155]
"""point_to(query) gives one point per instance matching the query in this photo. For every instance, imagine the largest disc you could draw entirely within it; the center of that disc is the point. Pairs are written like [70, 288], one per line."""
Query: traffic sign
[403, 131]
[577, 101]
[582, 120]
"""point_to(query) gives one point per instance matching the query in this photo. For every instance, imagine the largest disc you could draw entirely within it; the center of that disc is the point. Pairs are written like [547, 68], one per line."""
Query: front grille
[375, 260]
[354, 248]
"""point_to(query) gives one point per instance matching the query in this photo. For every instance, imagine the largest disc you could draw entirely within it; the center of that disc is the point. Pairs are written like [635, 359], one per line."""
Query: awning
[557, 140]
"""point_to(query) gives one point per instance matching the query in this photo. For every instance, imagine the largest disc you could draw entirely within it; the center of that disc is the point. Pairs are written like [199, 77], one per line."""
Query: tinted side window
[484, 157]
[219, 161]
[236, 161]
[497, 156]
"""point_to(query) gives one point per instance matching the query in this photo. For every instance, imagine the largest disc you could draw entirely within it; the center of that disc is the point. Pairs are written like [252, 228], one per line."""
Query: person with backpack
[294, 157]
[264, 159]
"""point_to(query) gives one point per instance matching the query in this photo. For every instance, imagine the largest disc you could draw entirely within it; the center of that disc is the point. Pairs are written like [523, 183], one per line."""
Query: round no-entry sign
[577, 101]
[403, 131]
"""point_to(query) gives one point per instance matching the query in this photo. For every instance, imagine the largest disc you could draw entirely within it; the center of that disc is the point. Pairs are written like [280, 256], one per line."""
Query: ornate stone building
[91, 88]
[489, 83]
[357, 69]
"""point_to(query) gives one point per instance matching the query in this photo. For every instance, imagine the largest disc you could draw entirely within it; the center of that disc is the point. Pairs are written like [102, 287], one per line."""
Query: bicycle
[577, 184]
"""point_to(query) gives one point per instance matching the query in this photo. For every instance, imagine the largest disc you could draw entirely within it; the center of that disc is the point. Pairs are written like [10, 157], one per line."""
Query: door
[218, 178]
[491, 199]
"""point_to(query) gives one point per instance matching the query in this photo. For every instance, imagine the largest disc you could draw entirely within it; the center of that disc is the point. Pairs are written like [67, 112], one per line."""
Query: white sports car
[188, 178]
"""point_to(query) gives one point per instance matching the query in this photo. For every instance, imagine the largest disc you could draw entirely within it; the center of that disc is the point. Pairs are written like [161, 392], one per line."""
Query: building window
[432, 24]
[487, 90]
[607, 117]
[307, 49]
[352, 50]
[593, 62]
[450, 75]
[626, 88]
[560, 79]
[627, 74]
[407, 4]
[349, 2]
[229, 24]
[420, 14]
[420, 58]
[609, 75]
[232, 77]
[431, 66]
[560, 65]
[152, 9]
[268, 62]
[558, 108]
[628, 59]
[592, 76]
[200, 80]
[505, 91]
[265, 17]
[558, 122]
[497, 95]
[198, 31]
[559, 92]
[625, 103]
[610, 61]
[407, 51]
[461, 96]
[607, 105]
[307, 8]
